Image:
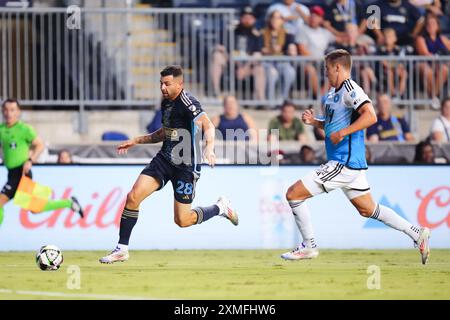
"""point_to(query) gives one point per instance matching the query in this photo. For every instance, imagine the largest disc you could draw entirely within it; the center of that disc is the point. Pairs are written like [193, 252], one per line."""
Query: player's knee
[365, 212]
[292, 194]
[182, 223]
[132, 201]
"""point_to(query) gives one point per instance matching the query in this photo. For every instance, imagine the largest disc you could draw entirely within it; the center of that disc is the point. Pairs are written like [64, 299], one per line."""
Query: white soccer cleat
[423, 243]
[301, 253]
[226, 211]
[117, 255]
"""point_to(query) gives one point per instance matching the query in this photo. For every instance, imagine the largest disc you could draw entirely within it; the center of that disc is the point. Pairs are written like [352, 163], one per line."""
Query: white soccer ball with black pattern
[49, 257]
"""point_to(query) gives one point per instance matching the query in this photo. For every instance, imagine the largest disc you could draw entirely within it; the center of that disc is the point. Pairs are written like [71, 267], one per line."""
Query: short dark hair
[287, 103]
[341, 56]
[173, 70]
[11, 100]
[444, 101]
[419, 150]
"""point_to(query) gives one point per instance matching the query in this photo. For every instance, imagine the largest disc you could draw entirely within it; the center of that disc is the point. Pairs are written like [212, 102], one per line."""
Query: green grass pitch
[230, 274]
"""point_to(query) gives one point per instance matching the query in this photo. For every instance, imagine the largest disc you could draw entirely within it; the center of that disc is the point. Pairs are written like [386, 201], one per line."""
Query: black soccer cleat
[77, 207]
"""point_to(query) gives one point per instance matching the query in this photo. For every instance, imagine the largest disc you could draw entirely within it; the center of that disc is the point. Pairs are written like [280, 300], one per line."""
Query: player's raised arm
[153, 137]
[308, 118]
[209, 133]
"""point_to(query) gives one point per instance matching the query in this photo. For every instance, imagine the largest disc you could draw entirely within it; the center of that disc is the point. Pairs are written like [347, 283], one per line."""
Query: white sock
[302, 219]
[392, 219]
[122, 247]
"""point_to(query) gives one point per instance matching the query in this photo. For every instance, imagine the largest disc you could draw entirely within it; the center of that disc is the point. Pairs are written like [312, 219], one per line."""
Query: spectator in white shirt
[313, 40]
[440, 129]
[294, 14]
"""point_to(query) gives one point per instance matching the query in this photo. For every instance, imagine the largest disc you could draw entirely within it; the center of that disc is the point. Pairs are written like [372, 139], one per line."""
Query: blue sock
[206, 213]
[127, 222]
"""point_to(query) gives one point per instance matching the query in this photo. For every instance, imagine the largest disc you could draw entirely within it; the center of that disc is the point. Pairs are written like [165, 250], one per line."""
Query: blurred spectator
[248, 42]
[365, 45]
[424, 153]
[393, 71]
[290, 127]
[433, 6]
[430, 43]
[295, 15]
[278, 42]
[341, 13]
[64, 157]
[156, 122]
[307, 155]
[399, 15]
[388, 126]
[440, 129]
[232, 119]
[312, 41]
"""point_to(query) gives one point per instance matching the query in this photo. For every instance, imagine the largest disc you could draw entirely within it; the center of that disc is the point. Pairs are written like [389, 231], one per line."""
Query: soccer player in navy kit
[177, 161]
[348, 111]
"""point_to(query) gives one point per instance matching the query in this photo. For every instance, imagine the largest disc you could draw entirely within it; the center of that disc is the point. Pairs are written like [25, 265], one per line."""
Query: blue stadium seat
[114, 136]
[191, 3]
[235, 4]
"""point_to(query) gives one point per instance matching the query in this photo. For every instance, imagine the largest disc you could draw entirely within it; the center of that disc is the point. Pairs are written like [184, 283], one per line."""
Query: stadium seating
[114, 136]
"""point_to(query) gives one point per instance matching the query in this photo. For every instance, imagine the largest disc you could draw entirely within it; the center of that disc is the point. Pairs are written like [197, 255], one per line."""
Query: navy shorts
[14, 176]
[183, 180]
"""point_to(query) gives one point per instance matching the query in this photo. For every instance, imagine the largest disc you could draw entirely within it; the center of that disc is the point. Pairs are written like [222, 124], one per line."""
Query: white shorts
[334, 175]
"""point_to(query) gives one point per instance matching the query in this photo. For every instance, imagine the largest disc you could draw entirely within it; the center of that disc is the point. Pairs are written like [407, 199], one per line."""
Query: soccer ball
[49, 257]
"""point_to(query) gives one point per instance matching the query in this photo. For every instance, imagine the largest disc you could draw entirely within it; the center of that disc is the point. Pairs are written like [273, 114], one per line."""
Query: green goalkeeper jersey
[16, 142]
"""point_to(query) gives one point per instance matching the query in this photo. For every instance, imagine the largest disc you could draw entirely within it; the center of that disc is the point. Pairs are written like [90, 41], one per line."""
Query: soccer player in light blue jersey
[348, 111]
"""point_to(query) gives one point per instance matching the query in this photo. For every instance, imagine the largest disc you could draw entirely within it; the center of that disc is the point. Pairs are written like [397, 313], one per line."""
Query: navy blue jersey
[181, 146]
[402, 18]
[340, 15]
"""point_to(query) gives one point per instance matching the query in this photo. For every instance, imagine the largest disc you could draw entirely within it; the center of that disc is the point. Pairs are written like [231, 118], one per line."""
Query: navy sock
[206, 213]
[127, 222]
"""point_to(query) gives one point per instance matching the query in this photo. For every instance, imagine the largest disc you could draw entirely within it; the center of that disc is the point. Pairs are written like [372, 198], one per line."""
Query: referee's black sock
[206, 213]
[127, 222]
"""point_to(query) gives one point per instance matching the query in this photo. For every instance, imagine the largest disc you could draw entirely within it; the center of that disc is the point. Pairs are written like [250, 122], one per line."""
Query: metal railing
[114, 60]
[303, 80]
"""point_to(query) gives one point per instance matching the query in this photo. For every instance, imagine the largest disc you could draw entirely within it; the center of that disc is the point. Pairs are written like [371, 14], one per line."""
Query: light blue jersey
[341, 105]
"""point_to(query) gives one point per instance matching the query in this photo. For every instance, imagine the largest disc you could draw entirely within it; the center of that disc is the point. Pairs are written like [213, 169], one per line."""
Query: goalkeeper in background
[21, 148]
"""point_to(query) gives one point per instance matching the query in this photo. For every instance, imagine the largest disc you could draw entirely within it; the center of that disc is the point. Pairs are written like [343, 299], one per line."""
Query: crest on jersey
[13, 145]
[192, 108]
[353, 94]
[336, 98]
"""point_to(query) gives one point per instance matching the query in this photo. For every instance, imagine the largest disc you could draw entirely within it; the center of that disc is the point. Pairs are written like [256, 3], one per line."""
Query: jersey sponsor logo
[329, 113]
[171, 133]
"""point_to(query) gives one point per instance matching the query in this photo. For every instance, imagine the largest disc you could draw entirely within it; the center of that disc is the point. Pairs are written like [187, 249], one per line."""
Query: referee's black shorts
[14, 176]
[183, 180]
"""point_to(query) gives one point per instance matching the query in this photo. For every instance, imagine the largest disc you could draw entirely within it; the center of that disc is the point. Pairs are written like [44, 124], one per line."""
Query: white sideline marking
[74, 295]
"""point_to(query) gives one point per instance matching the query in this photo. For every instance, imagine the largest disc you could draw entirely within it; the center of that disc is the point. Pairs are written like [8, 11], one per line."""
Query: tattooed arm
[153, 137]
